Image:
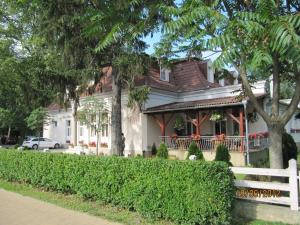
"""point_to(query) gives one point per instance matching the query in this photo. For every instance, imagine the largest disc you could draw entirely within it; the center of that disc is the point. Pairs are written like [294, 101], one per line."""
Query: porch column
[241, 122]
[198, 124]
[162, 123]
[242, 128]
[163, 127]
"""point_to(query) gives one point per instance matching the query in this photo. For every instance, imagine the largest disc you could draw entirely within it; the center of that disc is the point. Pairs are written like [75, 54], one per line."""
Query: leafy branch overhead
[37, 119]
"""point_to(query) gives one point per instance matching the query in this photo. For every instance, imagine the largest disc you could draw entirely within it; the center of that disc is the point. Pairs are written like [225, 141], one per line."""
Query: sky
[151, 41]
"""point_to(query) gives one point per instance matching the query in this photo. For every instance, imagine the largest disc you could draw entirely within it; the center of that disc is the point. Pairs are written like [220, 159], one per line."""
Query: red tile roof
[186, 75]
[205, 103]
[54, 106]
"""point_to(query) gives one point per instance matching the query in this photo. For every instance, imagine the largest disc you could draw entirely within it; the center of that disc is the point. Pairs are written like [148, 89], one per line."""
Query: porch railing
[209, 143]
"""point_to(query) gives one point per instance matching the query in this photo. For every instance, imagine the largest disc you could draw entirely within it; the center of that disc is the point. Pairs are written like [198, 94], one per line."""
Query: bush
[162, 151]
[153, 149]
[289, 149]
[194, 150]
[16, 146]
[182, 191]
[222, 154]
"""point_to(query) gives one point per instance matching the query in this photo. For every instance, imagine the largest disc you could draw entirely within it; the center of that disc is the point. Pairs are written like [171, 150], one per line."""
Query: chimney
[210, 72]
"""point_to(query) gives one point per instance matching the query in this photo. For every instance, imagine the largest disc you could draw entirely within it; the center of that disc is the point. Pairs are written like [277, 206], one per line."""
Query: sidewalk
[16, 209]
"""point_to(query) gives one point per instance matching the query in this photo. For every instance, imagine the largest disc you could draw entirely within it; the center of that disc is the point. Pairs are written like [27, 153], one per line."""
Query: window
[80, 129]
[68, 123]
[104, 128]
[93, 131]
[54, 123]
[164, 74]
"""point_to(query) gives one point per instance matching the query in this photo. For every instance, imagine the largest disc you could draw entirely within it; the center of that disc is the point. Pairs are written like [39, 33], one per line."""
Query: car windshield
[28, 138]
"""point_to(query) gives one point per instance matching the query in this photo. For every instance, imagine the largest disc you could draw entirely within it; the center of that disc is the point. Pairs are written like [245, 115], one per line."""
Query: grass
[94, 208]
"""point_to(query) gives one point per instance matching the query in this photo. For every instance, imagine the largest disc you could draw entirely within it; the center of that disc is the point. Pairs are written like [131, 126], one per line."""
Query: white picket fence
[261, 187]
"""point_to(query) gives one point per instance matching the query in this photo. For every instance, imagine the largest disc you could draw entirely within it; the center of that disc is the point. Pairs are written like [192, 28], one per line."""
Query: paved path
[16, 209]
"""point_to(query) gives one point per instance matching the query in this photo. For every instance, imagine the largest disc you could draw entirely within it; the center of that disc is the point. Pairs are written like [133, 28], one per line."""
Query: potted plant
[216, 116]
[92, 144]
[179, 125]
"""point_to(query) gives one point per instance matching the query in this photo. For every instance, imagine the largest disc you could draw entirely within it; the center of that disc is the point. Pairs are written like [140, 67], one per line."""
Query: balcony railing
[209, 143]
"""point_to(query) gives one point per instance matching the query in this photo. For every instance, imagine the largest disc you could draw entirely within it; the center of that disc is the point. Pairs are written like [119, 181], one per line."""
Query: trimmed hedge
[194, 150]
[289, 149]
[162, 151]
[222, 154]
[187, 192]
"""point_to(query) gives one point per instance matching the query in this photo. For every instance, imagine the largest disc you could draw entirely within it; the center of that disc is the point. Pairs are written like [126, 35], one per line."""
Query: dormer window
[164, 74]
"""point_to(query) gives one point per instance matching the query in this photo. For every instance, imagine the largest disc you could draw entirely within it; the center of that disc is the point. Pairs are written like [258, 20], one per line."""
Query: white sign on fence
[270, 191]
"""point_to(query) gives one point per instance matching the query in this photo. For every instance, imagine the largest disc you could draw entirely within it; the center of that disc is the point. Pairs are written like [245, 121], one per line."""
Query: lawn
[112, 213]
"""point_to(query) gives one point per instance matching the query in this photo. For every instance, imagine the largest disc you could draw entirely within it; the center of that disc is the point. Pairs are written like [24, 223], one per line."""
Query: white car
[36, 143]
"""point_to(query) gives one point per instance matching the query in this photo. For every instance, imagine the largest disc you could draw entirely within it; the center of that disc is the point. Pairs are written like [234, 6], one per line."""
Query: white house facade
[188, 92]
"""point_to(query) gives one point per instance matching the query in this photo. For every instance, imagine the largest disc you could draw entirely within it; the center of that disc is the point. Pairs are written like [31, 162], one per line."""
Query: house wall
[59, 132]
[152, 132]
[158, 97]
[257, 126]
[131, 125]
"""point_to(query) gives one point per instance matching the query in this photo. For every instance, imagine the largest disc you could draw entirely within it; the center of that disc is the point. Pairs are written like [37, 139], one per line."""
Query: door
[42, 143]
[48, 143]
[220, 127]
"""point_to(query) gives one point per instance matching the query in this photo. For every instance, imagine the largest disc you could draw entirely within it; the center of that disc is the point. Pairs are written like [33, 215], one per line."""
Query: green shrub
[194, 150]
[153, 149]
[181, 191]
[289, 149]
[16, 146]
[222, 154]
[162, 151]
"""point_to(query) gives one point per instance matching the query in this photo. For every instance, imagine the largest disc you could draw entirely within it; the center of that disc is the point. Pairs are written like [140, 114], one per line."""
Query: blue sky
[151, 41]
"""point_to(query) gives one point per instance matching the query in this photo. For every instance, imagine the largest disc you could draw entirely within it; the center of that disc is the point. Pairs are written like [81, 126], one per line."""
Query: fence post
[293, 182]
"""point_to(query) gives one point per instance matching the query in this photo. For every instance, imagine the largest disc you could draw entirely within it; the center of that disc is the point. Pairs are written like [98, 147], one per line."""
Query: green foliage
[194, 150]
[179, 123]
[6, 118]
[289, 149]
[138, 96]
[153, 149]
[90, 112]
[155, 188]
[222, 154]
[162, 151]
[37, 119]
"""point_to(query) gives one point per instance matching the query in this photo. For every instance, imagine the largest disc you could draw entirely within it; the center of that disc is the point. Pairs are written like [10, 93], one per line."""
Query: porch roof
[200, 104]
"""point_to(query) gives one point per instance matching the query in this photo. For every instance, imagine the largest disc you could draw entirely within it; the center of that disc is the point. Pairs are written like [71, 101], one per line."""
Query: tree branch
[276, 88]
[286, 116]
[243, 74]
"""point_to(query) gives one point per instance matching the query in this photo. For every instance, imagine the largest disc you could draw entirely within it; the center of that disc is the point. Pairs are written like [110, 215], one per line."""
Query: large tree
[69, 53]
[257, 38]
[26, 83]
[120, 26]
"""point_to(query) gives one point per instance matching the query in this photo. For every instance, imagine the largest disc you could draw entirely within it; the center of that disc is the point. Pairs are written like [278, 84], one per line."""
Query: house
[189, 97]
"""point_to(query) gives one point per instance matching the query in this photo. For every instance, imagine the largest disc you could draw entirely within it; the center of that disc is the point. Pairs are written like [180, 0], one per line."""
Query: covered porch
[208, 123]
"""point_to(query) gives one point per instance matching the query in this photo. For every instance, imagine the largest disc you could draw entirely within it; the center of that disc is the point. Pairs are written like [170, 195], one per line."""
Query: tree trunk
[8, 133]
[97, 143]
[74, 124]
[275, 150]
[116, 116]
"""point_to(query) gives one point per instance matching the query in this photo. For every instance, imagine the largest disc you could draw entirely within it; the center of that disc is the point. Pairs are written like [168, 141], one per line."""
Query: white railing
[259, 143]
[208, 143]
[205, 143]
[270, 192]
